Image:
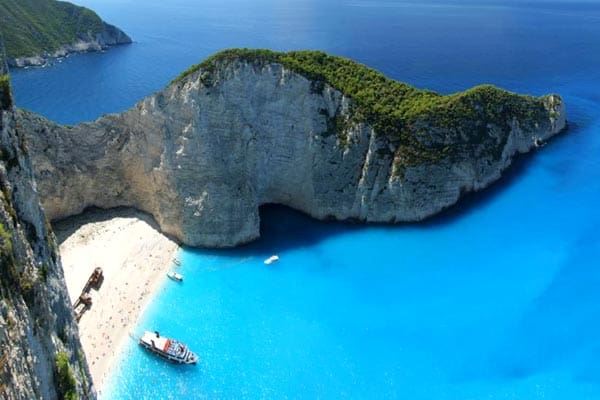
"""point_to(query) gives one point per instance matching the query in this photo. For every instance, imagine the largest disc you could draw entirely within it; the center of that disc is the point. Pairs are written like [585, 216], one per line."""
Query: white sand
[134, 257]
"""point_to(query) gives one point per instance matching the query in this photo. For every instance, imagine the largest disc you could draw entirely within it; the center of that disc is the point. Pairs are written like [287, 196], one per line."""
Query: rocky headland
[317, 133]
[37, 31]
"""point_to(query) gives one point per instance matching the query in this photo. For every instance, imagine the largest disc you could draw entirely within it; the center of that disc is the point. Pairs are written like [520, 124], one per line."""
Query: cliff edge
[40, 353]
[317, 133]
[35, 31]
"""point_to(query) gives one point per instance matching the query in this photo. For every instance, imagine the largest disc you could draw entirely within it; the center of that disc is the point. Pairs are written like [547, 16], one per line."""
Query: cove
[496, 300]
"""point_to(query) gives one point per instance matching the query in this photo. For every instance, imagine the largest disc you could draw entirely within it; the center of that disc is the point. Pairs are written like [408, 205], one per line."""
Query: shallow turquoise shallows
[497, 299]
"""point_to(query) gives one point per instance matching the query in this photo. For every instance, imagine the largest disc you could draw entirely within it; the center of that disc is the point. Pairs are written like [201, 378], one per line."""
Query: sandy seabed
[134, 256]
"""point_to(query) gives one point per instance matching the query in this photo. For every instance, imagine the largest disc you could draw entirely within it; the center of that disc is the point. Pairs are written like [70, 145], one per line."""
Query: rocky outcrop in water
[204, 153]
[40, 353]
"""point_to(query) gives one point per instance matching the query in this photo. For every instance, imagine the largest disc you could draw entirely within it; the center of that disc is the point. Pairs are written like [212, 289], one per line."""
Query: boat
[176, 261]
[175, 276]
[169, 349]
[272, 259]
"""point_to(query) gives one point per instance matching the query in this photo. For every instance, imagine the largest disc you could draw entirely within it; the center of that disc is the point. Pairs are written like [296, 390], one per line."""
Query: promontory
[35, 31]
[321, 134]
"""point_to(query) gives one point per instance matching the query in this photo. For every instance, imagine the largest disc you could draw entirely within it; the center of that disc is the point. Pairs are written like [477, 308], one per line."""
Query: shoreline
[65, 51]
[134, 256]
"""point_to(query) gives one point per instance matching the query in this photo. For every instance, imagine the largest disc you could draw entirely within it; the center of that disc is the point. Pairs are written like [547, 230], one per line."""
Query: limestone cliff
[40, 352]
[242, 130]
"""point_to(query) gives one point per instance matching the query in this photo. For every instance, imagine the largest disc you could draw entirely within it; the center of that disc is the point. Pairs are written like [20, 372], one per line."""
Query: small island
[36, 31]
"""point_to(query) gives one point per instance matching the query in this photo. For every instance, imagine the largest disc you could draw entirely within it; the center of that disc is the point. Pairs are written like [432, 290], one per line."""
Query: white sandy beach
[134, 257]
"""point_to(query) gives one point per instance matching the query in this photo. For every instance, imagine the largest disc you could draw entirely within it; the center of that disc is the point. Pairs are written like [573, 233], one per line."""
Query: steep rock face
[36, 319]
[203, 154]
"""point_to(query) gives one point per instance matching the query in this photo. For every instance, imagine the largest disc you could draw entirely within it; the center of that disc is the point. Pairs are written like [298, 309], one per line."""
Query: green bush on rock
[5, 242]
[6, 100]
[65, 379]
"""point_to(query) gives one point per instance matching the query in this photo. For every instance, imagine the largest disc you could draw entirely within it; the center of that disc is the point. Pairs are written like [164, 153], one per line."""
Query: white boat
[272, 259]
[168, 349]
[175, 276]
[176, 261]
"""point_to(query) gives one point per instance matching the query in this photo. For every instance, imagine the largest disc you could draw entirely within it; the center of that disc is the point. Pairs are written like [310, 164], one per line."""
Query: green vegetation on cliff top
[396, 110]
[35, 27]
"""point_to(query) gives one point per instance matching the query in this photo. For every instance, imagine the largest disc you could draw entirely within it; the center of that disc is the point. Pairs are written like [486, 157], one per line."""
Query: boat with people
[175, 276]
[169, 349]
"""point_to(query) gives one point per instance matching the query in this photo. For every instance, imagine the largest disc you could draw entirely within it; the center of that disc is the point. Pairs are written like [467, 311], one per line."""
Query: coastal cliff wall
[40, 353]
[204, 153]
[109, 36]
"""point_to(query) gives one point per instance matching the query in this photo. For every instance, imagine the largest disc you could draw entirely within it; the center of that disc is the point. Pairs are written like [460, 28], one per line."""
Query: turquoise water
[497, 299]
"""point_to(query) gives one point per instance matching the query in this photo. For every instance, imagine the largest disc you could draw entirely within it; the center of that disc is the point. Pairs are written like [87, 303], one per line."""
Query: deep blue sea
[497, 299]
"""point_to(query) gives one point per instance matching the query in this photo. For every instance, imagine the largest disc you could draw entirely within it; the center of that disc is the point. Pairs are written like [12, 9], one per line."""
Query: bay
[496, 299]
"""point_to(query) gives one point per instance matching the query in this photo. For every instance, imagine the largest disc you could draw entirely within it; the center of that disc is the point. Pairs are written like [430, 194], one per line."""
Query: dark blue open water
[497, 300]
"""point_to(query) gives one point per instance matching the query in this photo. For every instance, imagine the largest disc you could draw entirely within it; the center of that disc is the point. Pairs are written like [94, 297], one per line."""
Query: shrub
[66, 381]
[5, 241]
[6, 100]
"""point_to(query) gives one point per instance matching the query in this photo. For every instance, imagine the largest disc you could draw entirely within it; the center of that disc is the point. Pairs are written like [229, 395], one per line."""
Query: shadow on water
[283, 228]
[472, 201]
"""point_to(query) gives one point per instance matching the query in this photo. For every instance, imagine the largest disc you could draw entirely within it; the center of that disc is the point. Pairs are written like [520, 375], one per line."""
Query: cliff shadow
[283, 228]
[66, 227]
[472, 201]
